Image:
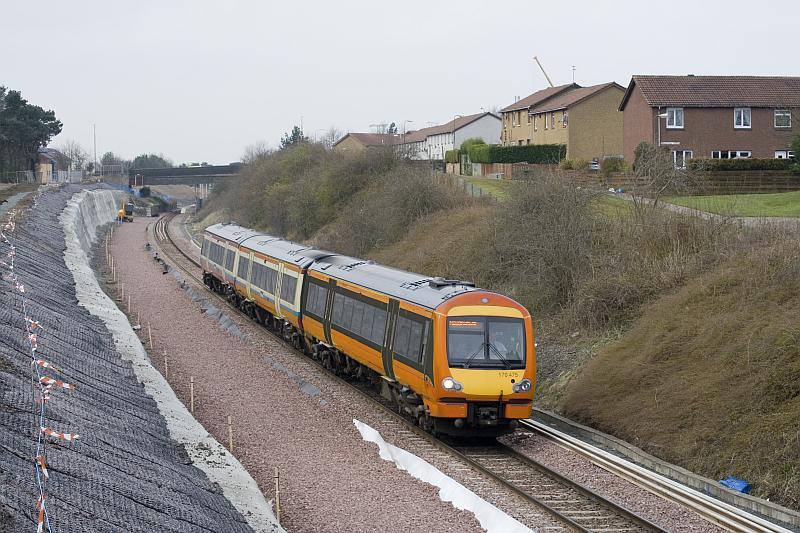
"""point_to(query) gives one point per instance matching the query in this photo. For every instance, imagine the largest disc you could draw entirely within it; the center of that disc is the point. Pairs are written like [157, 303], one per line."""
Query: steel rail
[161, 230]
[713, 510]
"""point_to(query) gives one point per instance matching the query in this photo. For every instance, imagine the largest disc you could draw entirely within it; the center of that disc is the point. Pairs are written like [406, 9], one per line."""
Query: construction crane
[543, 72]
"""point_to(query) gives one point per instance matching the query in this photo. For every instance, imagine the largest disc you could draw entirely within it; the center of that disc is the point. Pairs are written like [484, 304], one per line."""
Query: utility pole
[94, 135]
[573, 73]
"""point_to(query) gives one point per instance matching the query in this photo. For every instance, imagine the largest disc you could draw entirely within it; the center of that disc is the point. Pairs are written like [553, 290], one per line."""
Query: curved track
[537, 489]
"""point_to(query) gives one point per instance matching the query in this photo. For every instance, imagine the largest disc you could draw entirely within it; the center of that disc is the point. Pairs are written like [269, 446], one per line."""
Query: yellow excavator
[125, 213]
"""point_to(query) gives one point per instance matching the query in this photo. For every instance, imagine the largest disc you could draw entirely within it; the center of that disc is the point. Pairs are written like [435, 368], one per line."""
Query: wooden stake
[191, 394]
[149, 335]
[166, 371]
[122, 288]
[230, 434]
[277, 495]
[138, 322]
[129, 301]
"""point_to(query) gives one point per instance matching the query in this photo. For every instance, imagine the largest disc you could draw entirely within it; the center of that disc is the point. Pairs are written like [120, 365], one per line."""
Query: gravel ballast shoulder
[285, 412]
[124, 473]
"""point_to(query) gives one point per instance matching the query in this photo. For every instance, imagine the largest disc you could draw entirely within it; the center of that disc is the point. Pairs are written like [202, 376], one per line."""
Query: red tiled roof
[538, 97]
[388, 139]
[570, 98]
[447, 127]
[717, 91]
[373, 139]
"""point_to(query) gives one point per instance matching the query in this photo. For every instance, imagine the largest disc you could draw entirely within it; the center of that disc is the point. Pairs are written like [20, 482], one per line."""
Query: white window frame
[673, 113]
[731, 154]
[564, 118]
[686, 154]
[744, 111]
[783, 113]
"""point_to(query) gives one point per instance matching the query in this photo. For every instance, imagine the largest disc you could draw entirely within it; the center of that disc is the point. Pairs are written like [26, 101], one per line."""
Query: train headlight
[449, 383]
[522, 386]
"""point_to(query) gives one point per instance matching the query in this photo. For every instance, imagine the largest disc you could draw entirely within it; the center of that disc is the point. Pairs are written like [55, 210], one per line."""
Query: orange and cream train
[458, 359]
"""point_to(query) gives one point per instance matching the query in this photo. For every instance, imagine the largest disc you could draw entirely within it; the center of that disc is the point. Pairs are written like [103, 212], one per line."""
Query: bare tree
[330, 137]
[77, 155]
[254, 151]
[656, 175]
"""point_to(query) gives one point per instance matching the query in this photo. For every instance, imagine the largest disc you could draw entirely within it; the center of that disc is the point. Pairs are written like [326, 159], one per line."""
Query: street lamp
[404, 132]
[658, 123]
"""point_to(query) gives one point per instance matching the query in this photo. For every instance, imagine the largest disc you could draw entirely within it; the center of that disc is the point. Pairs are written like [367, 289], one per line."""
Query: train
[458, 360]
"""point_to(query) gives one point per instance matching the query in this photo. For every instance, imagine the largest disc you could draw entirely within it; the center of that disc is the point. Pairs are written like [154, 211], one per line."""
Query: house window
[553, 120]
[784, 154]
[741, 117]
[783, 118]
[535, 127]
[674, 117]
[529, 118]
[679, 157]
[545, 120]
[731, 154]
[519, 142]
[564, 118]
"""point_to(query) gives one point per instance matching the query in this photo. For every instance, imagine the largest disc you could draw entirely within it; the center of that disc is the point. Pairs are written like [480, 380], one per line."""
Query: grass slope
[783, 204]
[709, 377]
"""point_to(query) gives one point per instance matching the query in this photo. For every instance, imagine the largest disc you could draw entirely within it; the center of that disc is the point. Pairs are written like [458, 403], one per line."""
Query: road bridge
[205, 175]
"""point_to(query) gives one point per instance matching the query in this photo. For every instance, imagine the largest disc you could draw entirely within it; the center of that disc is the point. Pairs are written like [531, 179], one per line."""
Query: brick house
[712, 116]
[360, 142]
[585, 119]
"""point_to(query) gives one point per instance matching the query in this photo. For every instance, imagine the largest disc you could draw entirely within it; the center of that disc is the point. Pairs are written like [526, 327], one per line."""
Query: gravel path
[331, 480]
[668, 515]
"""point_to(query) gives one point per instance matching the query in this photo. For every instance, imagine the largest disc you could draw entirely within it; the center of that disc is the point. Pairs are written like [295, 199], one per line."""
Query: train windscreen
[486, 342]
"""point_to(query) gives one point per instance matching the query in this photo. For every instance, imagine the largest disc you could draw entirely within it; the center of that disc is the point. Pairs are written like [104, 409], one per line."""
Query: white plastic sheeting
[492, 519]
[84, 213]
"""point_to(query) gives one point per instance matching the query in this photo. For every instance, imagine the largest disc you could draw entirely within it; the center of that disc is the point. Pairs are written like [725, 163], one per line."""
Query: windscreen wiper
[471, 357]
[503, 359]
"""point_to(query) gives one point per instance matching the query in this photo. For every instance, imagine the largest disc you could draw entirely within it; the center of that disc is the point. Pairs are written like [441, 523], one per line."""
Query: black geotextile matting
[123, 473]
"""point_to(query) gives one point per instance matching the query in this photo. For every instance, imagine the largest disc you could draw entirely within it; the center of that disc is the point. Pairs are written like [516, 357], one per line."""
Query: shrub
[480, 153]
[612, 164]
[452, 156]
[473, 141]
[529, 153]
[574, 163]
[703, 163]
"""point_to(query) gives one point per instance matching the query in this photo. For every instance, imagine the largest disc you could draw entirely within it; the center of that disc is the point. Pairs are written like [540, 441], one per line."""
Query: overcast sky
[200, 80]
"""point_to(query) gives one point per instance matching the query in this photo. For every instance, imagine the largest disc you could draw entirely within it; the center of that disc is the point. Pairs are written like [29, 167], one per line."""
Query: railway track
[538, 490]
[713, 510]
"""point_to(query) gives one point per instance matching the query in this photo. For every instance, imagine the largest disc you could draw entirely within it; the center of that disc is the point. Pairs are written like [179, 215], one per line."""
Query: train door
[326, 323]
[386, 352]
[278, 282]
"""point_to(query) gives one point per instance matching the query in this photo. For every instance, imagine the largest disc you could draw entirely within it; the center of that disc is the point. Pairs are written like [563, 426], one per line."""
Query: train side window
[244, 267]
[347, 313]
[366, 322]
[288, 287]
[316, 299]
[358, 317]
[338, 308]
[409, 338]
[378, 326]
[204, 249]
[229, 257]
[271, 279]
[401, 335]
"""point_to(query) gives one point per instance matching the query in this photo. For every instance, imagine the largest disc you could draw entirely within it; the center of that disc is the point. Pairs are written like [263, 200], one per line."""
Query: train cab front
[485, 369]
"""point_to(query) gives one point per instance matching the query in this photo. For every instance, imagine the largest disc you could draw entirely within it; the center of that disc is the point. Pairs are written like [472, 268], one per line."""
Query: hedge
[703, 163]
[452, 156]
[528, 153]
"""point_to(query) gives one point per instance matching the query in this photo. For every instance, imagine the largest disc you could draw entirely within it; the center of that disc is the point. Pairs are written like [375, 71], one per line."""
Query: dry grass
[709, 377]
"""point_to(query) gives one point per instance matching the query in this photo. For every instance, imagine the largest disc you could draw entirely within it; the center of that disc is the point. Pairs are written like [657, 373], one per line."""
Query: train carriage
[459, 359]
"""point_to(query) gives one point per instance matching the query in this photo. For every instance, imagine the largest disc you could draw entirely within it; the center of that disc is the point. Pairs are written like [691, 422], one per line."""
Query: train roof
[414, 288]
[283, 250]
[232, 232]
